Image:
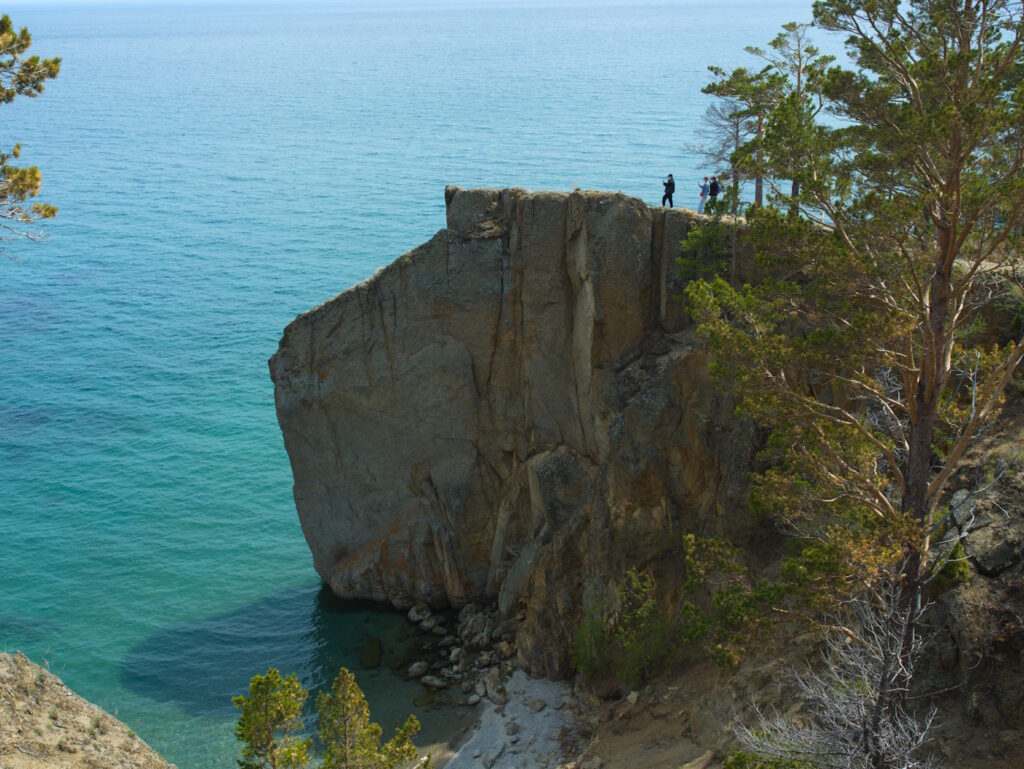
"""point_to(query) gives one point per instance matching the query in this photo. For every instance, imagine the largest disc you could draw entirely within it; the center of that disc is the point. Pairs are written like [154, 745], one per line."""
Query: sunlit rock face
[505, 412]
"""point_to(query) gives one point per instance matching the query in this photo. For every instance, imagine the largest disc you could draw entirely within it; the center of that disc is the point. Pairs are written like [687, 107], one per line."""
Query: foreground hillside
[45, 724]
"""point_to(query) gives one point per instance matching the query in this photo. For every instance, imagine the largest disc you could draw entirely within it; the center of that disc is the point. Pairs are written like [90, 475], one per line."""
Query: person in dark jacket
[713, 192]
[670, 187]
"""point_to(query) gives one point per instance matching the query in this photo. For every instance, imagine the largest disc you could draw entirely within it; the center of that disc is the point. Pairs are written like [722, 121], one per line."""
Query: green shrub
[955, 570]
[270, 714]
[638, 641]
[591, 649]
[272, 711]
[741, 760]
[643, 634]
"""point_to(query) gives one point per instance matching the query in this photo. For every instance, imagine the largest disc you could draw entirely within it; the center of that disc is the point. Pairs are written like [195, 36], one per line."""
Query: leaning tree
[20, 75]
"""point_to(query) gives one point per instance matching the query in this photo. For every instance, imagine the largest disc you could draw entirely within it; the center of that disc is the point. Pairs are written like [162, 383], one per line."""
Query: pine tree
[781, 101]
[20, 76]
[351, 740]
[271, 712]
[753, 93]
[860, 343]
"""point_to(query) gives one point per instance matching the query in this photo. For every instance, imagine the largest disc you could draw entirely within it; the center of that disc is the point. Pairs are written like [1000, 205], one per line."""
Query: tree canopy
[882, 327]
[20, 75]
[351, 740]
[272, 714]
[861, 343]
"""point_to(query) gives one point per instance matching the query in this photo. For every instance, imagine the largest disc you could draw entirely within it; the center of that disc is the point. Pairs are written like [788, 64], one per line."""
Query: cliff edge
[45, 724]
[507, 411]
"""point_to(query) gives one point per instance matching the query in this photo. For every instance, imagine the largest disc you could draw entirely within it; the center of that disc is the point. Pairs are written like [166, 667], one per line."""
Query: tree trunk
[930, 381]
[758, 179]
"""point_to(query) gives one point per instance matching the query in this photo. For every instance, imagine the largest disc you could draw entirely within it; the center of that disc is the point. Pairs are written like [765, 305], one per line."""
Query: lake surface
[219, 170]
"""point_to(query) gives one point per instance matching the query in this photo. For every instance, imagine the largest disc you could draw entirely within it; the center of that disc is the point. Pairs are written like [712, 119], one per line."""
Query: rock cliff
[507, 411]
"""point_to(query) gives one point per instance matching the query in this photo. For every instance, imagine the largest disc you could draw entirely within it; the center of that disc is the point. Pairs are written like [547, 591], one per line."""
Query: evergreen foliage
[712, 249]
[853, 346]
[637, 639]
[591, 650]
[270, 714]
[748, 96]
[858, 344]
[743, 760]
[20, 75]
[642, 633]
[351, 740]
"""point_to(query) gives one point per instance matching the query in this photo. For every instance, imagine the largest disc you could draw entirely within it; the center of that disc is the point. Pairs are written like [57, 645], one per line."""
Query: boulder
[994, 548]
[434, 682]
[418, 613]
[372, 653]
[496, 692]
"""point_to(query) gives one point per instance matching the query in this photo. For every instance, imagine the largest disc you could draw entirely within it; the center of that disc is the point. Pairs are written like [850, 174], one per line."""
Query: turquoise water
[219, 170]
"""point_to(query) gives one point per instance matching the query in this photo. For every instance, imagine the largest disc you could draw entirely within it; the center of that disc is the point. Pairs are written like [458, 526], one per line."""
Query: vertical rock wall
[502, 412]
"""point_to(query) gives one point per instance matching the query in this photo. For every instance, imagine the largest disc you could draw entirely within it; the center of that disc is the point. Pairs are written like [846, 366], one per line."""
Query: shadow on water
[16, 630]
[199, 666]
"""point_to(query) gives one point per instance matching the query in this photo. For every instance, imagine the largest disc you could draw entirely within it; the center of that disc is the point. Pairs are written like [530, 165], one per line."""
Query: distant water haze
[219, 170]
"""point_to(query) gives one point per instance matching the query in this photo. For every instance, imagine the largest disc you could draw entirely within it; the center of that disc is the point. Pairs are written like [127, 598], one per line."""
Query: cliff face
[506, 411]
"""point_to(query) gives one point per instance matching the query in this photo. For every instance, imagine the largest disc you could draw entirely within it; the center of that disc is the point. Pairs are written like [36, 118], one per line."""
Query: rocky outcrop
[45, 724]
[507, 412]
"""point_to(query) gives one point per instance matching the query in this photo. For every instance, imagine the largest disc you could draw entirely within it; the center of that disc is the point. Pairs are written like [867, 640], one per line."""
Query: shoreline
[513, 721]
[528, 731]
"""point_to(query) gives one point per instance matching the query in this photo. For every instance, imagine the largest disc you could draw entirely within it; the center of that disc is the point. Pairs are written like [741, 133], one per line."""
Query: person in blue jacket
[705, 190]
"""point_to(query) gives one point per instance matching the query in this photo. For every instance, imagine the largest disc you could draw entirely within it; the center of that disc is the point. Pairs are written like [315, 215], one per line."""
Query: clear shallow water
[218, 171]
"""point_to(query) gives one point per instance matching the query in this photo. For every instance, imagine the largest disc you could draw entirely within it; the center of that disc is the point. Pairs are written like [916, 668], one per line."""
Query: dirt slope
[45, 724]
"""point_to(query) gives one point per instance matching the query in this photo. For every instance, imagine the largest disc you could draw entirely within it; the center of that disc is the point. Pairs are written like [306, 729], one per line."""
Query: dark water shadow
[199, 666]
[17, 630]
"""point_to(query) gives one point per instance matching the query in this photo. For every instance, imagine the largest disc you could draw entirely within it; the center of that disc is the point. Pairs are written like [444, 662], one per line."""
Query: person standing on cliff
[670, 187]
[705, 190]
[713, 192]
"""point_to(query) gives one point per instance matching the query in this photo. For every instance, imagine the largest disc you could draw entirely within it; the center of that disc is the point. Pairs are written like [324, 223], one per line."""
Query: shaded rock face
[496, 414]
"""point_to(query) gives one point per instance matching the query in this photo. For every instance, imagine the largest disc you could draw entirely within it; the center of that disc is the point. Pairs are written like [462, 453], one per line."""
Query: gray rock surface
[516, 735]
[505, 412]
